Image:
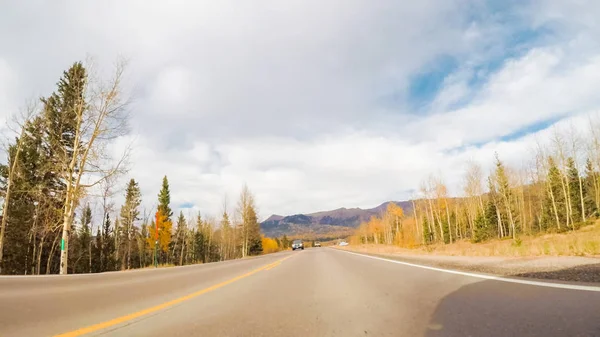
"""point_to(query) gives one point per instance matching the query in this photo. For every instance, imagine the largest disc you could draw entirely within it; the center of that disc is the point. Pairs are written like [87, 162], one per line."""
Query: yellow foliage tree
[269, 245]
[375, 228]
[164, 232]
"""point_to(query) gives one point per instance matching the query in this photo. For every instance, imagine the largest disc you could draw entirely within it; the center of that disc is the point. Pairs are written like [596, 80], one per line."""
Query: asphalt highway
[315, 292]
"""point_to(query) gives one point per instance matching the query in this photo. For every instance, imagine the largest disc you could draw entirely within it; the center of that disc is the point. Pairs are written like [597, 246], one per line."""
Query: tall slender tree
[164, 199]
[129, 214]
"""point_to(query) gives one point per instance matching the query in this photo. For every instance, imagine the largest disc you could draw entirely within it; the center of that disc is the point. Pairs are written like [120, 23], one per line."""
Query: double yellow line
[132, 316]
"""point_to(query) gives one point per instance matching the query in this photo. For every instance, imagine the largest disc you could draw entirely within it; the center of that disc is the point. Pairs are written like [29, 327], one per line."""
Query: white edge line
[483, 276]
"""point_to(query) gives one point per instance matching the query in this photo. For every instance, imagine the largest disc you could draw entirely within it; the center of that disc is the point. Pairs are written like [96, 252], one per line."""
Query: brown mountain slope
[338, 222]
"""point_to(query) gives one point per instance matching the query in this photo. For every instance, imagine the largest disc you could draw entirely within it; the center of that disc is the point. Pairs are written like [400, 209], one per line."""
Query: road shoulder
[557, 268]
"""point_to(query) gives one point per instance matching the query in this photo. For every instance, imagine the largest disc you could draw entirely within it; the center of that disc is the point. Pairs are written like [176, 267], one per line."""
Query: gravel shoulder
[562, 268]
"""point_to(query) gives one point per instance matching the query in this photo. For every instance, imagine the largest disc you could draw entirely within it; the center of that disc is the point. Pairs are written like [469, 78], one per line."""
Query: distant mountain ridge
[324, 224]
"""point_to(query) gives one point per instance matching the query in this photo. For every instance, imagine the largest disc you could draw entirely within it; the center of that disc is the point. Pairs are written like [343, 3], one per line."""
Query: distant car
[317, 244]
[343, 243]
[297, 244]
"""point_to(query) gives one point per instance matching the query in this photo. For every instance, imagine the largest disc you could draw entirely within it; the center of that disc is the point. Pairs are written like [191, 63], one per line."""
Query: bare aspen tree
[520, 183]
[440, 193]
[246, 210]
[418, 231]
[559, 148]
[473, 189]
[99, 118]
[426, 191]
[494, 200]
[501, 180]
[594, 155]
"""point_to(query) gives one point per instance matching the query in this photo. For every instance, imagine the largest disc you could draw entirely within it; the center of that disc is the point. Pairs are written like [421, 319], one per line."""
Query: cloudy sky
[316, 104]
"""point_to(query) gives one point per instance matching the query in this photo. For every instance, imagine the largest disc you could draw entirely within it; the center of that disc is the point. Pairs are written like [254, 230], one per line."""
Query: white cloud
[537, 87]
[285, 96]
[7, 83]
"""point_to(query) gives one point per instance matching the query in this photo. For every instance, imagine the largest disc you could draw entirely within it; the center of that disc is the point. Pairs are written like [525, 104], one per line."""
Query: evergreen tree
[97, 252]
[589, 189]
[285, 242]
[129, 214]
[35, 200]
[486, 223]
[60, 112]
[200, 241]
[427, 234]
[505, 203]
[199, 246]
[179, 238]
[82, 264]
[164, 199]
[59, 109]
[143, 246]
[254, 238]
[554, 201]
[446, 230]
[574, 193]
[108, 246]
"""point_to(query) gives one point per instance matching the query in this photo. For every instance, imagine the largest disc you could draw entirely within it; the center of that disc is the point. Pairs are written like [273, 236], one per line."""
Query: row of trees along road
[557, 190]
[59, 166]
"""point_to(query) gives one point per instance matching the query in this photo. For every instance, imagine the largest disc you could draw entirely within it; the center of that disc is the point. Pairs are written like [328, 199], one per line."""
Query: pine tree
[589, 189]
[97, 252]
[485, 223]
[60, 109]
[285, 242]
[254, 238]
[129, 214]
[164, 199]
[83, 262]
[143, 246]
[179, 239]
[108, 246]
[554, 202]
[427, 234]
[20, 214]
[35, 202]
[200, 240]
[60, 112]
[199, 246]
[506, 203]
[574, 195]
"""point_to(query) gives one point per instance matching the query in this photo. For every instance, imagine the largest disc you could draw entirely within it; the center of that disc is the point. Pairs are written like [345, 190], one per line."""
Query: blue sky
[316, 105]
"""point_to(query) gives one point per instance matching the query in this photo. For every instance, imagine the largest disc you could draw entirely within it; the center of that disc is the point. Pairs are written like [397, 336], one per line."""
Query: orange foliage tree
[164, 232]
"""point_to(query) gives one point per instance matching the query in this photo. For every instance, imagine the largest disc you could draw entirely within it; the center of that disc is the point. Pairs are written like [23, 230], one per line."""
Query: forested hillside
[59, 169]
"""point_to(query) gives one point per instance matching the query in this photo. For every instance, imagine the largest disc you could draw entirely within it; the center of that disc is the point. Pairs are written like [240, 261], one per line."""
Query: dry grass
[163, 265]
[583, 242]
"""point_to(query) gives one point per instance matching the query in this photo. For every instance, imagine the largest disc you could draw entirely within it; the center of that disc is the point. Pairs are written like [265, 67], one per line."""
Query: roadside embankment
[564, 268]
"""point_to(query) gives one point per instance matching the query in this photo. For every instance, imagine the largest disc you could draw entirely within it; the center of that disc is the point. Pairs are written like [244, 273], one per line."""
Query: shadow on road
[493, 308]
[585, 273]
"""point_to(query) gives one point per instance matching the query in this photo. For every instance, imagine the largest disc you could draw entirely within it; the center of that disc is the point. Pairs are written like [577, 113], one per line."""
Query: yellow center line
[123, 319]
[273, 265]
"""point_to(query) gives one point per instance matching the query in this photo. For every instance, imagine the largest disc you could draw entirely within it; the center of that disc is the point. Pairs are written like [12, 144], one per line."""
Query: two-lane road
[316, 292]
